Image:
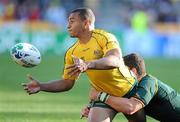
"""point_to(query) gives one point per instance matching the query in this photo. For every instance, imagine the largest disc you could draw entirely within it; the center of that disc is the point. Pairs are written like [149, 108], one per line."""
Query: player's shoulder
[148, 76]
[148, 79]
[100, 31]
[151, 77]
[149, 83]
[103, 33]
[71, 48]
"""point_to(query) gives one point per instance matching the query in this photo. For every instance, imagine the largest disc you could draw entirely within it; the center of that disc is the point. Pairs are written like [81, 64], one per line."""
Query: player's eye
[71, 21]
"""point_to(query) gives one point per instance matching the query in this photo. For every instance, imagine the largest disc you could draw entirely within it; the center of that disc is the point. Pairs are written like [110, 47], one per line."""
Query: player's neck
[85, 36]
[140, 77]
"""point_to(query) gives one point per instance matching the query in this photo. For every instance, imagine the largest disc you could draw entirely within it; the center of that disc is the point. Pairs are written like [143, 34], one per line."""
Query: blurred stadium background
[149, 27]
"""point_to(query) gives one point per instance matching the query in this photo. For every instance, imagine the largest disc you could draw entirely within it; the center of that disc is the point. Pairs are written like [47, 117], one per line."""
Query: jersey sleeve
[109, 42]
[146, 90]
[68, 60]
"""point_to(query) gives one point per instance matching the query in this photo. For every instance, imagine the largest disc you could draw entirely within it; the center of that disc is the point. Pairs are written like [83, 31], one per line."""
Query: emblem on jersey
[98, 54]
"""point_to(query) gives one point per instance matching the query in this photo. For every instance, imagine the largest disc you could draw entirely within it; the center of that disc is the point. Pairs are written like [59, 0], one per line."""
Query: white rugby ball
[25, 54]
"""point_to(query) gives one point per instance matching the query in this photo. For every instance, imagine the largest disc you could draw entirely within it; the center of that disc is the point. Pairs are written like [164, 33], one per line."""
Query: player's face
[75, 25]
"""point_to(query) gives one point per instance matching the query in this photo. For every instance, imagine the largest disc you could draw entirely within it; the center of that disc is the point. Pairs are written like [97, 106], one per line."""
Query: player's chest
[89, 51]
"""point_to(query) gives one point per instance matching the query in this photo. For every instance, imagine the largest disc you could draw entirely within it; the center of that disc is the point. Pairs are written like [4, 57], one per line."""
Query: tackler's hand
[85, 112]
[93, 94]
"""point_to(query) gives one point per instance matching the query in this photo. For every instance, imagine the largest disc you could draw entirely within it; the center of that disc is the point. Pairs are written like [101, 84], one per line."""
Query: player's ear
[87, 23]
[134, 71]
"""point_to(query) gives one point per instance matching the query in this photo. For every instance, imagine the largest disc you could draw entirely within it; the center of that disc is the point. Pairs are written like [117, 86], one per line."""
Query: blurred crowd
[116, 11]
[150, 24]
[52, 11]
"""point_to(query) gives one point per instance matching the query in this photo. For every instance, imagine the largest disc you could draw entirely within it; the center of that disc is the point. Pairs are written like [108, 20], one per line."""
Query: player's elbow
[133, 105]
[67, 85]
[130, 111]
[114, 62]
[68, 88]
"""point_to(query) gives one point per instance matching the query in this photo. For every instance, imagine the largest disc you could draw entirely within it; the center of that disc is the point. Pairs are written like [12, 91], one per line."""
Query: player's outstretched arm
[35, 86]
[124, 105]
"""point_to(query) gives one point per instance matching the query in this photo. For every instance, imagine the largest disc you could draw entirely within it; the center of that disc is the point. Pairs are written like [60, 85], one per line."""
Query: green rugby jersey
[162, 102]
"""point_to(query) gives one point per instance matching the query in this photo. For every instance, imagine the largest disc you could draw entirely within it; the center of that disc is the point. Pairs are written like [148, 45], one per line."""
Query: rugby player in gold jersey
[97, 53]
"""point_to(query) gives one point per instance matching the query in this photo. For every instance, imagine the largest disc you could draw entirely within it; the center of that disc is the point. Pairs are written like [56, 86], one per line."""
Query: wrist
[103, 97]
[41, 87]
[91, 65]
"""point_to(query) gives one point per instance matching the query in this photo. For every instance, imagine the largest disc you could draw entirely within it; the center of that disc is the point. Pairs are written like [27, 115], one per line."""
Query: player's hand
[32, 87]
[85, 112]
[93, 94]
[78, 67]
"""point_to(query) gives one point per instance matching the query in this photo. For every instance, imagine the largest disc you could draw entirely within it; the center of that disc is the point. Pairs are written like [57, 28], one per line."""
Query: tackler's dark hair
[134, 60]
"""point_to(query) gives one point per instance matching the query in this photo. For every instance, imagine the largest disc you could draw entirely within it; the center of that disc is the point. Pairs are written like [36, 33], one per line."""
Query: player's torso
[111, 81]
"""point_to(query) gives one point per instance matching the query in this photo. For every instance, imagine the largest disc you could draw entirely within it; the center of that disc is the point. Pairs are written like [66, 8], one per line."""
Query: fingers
[76, 60]
[27, 89]
[72, 66]
[74, 72]
[30, 77]
[31, 90]
[23, 84]
[93, 94]
[78, 67]
[81, 116]
[84, 112]
[31, 87]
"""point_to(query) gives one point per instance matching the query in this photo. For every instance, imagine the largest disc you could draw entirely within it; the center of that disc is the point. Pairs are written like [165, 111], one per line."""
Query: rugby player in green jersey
[161, 101]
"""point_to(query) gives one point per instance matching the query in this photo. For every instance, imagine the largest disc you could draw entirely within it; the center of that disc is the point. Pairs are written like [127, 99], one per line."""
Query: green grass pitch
[17, 106]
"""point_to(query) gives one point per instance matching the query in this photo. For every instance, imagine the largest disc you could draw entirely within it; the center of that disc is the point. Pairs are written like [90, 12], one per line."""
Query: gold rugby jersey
[117, 81]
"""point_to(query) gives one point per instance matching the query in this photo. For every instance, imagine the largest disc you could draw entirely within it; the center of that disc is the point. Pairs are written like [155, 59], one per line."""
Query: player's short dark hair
[85, 14]
[134, 60]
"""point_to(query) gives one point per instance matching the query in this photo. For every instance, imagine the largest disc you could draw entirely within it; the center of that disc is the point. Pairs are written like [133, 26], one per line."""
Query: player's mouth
[70, 31]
